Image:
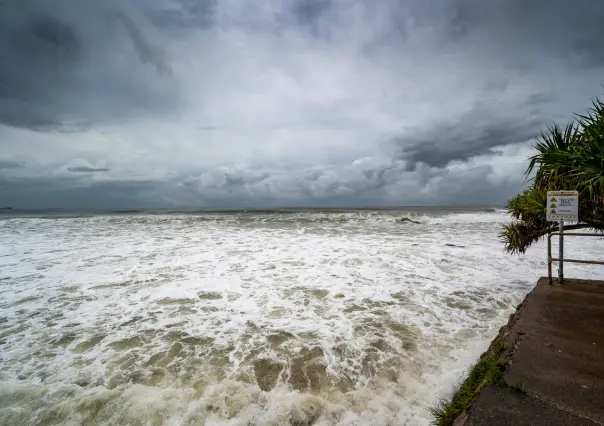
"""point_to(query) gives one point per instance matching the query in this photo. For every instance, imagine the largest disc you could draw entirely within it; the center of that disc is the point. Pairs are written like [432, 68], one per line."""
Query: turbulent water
[251, 319]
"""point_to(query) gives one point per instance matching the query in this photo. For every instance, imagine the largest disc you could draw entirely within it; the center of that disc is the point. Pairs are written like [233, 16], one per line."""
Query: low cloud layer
[8, 164]
[299, 102]
[85, 169]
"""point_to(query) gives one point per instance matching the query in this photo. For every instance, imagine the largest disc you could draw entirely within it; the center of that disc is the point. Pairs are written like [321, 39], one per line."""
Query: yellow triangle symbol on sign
[553, 211]
[553, 199]
[553, 206]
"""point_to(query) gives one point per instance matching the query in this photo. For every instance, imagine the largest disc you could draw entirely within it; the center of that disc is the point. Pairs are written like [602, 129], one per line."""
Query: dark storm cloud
[62, 69]
[554, 25]
[532, 35]
[467, 137]
[48, 51]
[186, 94]
[29, 48]
[54, 32]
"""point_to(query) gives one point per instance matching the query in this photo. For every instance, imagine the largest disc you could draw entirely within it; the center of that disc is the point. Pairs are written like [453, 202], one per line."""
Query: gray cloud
[175, 16]
[69, 193]
[68, 66]
[292, 101]
[366, 181]
[146, 52]
[471, 135]
[9, 164]
[84, 169]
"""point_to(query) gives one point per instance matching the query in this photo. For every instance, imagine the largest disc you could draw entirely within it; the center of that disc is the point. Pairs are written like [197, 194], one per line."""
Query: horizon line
[315, 207]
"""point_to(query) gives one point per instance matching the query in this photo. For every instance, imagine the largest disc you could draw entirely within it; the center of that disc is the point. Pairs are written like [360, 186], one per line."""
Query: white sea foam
[309, 318]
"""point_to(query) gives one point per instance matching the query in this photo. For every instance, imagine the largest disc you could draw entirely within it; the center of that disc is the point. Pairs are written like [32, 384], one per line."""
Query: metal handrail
[561, 259]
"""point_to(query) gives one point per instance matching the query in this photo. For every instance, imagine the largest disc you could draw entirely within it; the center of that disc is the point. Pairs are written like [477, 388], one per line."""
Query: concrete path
[555, 357]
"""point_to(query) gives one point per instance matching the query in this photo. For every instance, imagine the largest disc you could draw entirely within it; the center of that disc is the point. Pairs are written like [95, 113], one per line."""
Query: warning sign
[563, 205]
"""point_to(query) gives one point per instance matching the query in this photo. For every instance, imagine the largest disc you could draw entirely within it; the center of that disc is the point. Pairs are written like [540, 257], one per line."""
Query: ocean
[252, 318]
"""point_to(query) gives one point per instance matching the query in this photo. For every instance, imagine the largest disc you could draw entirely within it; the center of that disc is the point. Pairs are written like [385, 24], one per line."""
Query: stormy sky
[236, 103]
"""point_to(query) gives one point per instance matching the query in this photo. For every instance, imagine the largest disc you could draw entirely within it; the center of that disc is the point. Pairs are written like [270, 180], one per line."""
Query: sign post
[561, 253]
[561, 206]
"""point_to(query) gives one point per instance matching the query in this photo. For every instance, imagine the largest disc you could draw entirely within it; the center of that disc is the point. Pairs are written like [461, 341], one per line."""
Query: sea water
[252, 318]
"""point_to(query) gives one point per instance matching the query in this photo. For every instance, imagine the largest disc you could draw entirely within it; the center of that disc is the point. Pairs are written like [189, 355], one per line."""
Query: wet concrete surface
[554, 355]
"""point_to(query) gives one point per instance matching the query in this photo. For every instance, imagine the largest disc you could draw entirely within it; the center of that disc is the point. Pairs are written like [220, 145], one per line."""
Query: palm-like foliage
[566, 159]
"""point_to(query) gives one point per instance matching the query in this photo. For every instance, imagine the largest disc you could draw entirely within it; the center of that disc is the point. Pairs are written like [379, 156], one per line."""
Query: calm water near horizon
[267, 317]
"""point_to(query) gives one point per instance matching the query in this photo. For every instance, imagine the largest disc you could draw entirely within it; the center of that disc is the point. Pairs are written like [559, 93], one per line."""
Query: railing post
[561, 259]
[561, 254]
[549, 258]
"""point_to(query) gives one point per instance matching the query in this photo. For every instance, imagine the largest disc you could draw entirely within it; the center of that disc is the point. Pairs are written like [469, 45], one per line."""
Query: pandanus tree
[570, 158]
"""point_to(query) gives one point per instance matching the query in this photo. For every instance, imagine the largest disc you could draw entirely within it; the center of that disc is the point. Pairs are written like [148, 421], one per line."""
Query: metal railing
[561, 258]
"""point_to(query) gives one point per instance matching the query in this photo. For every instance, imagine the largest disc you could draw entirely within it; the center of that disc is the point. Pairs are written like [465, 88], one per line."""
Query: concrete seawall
[550, 358]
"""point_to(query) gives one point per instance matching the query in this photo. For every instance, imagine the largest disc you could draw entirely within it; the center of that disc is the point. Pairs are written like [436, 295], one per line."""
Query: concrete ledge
[552, 362]
[500, 405]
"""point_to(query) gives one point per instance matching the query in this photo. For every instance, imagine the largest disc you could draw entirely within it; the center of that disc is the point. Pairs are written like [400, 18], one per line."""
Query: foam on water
[351, 318]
